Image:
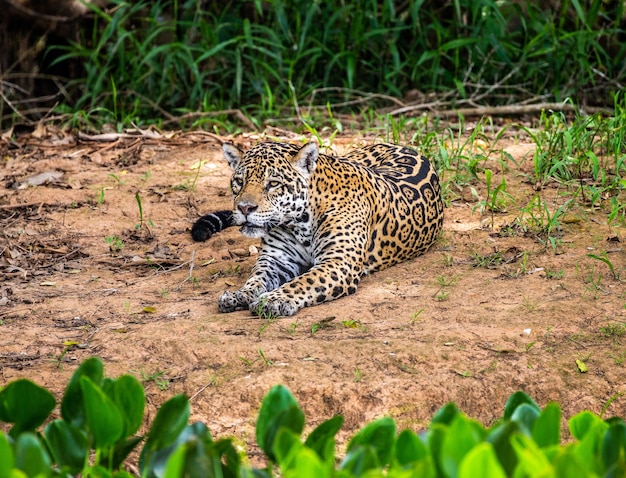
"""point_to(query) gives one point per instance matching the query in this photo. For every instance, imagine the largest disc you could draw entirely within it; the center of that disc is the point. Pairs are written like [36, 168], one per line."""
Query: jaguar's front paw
[270, 306]
[230, 301]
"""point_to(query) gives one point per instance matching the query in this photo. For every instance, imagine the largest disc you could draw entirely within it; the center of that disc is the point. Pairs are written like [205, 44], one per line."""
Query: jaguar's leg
[337, 271]
[280, 260]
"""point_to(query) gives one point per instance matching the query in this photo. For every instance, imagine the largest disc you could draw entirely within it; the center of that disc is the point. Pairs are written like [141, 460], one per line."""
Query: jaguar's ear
[305, 160]
[232, 154]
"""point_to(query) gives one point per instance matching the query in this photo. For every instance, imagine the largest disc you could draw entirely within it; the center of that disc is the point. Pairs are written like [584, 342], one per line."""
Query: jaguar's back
[401, 190]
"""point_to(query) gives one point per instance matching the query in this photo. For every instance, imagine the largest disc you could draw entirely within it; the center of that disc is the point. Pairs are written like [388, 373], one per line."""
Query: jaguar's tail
[208, 225]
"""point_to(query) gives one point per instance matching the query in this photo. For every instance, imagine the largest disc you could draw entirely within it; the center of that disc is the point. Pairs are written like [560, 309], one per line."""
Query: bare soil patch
[435, 329]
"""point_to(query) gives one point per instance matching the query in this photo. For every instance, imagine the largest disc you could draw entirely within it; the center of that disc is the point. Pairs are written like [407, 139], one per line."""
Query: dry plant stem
[191, 266]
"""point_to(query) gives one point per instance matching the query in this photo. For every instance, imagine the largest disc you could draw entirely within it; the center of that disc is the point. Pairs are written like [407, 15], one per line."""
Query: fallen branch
[26, 204]
[506, 110]
[237, 113]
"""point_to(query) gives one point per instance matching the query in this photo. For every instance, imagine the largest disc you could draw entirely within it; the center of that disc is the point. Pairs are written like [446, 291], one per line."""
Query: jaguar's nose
[247, 208]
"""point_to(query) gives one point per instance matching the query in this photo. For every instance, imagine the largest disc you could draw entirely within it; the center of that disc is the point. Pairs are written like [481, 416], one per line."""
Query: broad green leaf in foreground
[31, 456]
[279, 409]
[322, 439]
[481, 461]
[26, 405]
[463, 435]
[517, 399]
[128, 395]
[547, 428]
[68, 445]
[7, 460]
[104, 418]
[380, 435]
[170, 421]
[409, 448]
[72, 405]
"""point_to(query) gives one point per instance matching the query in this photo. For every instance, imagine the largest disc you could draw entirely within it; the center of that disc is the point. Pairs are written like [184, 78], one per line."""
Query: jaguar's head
[270, 185]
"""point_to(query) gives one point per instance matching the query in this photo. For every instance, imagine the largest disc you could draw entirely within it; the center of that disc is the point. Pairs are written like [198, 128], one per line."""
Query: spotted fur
[324, 221]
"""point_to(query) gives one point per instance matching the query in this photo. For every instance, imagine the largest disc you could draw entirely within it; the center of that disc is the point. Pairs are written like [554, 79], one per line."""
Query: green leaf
[201, 458]
[129, 396]
[307, 465]
[286, 446]
[515, 400]
[7, 460]
[99, 471]
[26, 405]
[409, 449]
[380, 436]
[500, 438]
[462, 435]
[72, 405]
[481, 461]
[547, 428]
[292, 419]
[585, 422]
[123, 474]
[175, 464]
[227, 455]
[196, 433]
[31, 456]
[322, 439]
[279, 409]
[434, 438]
[567, 462]
[613, 451]
[104, 418]
[123, 449]
[360, 459]
[198, 462]
[68, 445]
[445, 414]
[170, 421]
[532, 461]
[588, 449]
[526, 415]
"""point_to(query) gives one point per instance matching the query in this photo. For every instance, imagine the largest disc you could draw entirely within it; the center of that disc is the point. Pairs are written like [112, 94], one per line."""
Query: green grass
[176, 64]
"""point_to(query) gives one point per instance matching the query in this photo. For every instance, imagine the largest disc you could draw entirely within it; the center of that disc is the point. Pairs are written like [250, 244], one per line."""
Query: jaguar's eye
[236, 184]
[273, 184]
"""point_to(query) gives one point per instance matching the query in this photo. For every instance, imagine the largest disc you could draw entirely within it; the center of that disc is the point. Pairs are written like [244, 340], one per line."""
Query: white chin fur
[253, 232]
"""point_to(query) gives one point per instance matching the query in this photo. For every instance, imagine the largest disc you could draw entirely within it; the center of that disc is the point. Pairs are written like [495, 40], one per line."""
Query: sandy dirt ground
[486, 312]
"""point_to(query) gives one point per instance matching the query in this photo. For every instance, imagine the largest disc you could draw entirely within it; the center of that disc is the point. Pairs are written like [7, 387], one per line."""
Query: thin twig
[200, 391]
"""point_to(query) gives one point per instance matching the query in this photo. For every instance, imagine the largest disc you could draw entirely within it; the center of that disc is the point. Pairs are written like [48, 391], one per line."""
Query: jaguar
[324, 221]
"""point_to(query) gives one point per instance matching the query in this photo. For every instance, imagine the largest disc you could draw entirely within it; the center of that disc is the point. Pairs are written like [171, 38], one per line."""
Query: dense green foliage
[143, 60]
[584, 155]
[101, 416]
